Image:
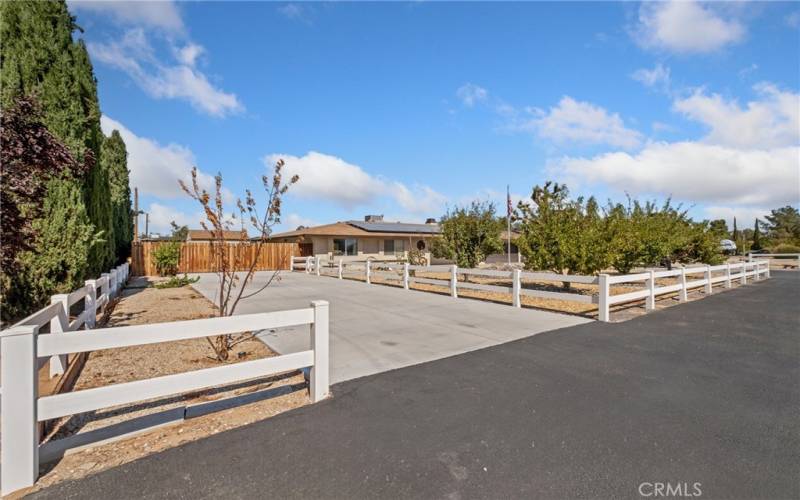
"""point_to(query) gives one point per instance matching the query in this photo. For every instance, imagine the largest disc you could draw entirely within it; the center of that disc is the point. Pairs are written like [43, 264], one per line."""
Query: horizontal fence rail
[783, 259]
[22, 345]
[726, 274]
[199, 256]
[457, 279]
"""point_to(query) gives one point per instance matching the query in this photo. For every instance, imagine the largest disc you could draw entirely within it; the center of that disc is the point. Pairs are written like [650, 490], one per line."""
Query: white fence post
[368, 270]
[405, 276]
[320, 372]
[744, 273]
[516, 278]
[650, 303]
[58, 364]
[19, 424]
[317, 264]
[341, 267]
[707, 276]
[112, 283]
[602, 298]
[682, 293]
[454, 281]
[727, 275]
[90, 303]
[309, 260]
[106, 288]
[767, 266]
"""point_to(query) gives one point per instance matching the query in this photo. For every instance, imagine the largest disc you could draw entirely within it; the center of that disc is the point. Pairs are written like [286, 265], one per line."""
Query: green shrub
[178, 281]
[784, 248]
[469, 234]
[166, 257]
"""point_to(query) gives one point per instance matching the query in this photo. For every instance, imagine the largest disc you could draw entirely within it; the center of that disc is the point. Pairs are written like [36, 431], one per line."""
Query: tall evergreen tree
[735, 234]
[756, 238]
[39, 58]
[115, 164]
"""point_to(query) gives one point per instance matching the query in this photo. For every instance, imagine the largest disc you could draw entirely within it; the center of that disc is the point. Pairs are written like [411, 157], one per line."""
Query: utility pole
[146, 225]
[136, 214]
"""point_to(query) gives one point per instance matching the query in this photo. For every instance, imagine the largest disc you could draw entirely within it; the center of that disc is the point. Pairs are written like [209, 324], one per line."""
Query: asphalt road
[706, 392]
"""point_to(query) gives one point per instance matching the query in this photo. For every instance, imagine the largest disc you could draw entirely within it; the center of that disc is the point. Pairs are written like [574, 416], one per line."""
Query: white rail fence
[785, 259]
[95, 294]
[726, 274]
[401, 274]
[22, 348]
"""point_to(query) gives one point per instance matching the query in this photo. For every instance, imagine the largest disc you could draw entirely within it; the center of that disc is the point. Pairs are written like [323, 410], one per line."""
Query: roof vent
[373, 218]
[430, 220]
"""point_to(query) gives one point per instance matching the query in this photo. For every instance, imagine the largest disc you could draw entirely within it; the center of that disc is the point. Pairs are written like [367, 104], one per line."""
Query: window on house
[345, 246]
[396, 247]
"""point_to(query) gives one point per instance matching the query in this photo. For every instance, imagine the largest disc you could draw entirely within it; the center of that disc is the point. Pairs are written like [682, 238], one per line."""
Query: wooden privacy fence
[198, 257]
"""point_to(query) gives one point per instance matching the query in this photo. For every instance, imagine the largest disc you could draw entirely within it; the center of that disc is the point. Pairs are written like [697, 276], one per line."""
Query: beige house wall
[368, 247]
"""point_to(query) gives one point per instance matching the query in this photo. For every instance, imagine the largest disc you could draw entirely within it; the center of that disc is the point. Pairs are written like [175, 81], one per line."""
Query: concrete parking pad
[376, 328]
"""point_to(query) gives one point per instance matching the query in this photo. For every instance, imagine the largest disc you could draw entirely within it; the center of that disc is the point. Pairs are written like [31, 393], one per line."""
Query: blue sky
[403, 109]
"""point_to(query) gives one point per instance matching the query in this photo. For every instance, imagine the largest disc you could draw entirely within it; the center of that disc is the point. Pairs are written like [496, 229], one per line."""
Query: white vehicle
[727, 246]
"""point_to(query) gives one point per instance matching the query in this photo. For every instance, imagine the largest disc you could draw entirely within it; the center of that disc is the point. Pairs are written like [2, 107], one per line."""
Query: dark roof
[395, 227]
[353, 228]
[203, 235]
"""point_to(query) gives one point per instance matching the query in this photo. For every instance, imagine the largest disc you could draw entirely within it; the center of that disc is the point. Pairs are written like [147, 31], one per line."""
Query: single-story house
[373, 239]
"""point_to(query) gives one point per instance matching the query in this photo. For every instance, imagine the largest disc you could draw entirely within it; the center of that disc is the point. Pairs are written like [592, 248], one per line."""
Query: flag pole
[508, 221]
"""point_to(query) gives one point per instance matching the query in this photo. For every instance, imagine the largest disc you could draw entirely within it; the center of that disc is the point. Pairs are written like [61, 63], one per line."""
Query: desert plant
[177, 281]
[231, 283]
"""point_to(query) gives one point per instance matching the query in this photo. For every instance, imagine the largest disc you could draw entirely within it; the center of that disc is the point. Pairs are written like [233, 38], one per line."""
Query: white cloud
[297, 12]
[793, 19]
[189, 53]
[160, 216]
[470, 94]
[659, 75]
[293, 221]
[695, 172]
[745, 216]
[418, 200]
[161, 14]
[685, 26]
[134, 55]
[156, 169]
[769, 122]
[328, 178]
[580, 122]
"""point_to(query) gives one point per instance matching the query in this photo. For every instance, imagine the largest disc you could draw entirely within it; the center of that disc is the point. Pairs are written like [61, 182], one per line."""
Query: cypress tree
[756, 238]
[40, 59]
[735, 233]
[59, 260]
[115, 163]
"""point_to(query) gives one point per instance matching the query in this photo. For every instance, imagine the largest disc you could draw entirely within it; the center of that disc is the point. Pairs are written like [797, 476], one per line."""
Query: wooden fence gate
[197, 257]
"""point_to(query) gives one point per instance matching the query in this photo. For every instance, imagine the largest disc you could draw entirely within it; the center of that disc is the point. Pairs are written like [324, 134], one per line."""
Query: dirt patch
[187, 417]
